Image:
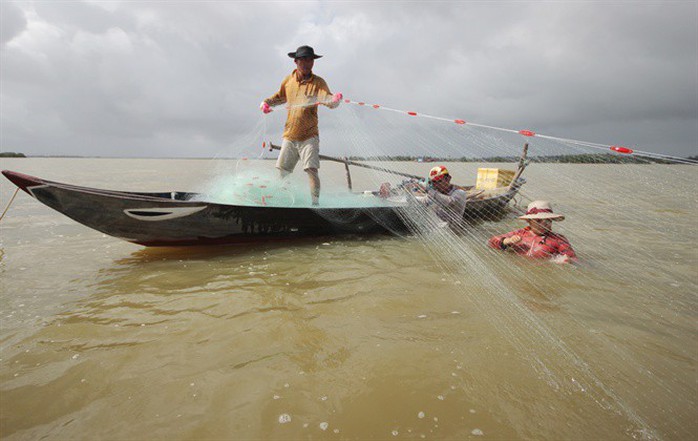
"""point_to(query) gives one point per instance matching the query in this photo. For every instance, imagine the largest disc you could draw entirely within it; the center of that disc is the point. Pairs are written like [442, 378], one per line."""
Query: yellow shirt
[301, 97]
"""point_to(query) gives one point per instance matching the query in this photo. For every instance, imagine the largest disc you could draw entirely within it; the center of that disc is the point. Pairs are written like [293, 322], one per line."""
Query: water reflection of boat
[183, 219]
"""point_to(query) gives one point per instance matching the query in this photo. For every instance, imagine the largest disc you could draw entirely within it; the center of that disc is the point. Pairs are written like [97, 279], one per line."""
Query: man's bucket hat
[304, 52]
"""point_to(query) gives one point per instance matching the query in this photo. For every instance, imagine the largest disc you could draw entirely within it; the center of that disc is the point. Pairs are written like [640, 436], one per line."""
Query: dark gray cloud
[12, 21]
[185, 78]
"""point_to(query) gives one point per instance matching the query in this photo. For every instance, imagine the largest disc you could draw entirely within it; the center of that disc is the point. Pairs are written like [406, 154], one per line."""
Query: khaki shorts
[307, 151]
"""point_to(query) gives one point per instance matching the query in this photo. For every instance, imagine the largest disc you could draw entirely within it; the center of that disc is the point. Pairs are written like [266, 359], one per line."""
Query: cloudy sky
[171, 79]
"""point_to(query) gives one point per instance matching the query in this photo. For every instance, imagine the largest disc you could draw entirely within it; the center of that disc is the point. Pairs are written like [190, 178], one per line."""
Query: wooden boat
[185, 219]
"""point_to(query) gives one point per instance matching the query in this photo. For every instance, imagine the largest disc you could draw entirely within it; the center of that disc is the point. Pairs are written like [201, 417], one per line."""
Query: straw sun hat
[541, 210]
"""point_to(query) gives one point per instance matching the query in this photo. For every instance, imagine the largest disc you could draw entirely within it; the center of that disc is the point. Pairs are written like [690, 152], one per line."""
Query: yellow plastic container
[490, 178]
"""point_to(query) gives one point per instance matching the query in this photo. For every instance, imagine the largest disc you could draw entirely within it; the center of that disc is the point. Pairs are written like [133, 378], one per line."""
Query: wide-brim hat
[541, 210]
[304, 52]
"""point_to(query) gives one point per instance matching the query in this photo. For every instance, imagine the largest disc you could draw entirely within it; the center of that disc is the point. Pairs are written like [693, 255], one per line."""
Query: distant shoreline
[598, 158]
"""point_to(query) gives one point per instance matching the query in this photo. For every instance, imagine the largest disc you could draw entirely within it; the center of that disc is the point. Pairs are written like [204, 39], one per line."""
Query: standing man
[303, 92]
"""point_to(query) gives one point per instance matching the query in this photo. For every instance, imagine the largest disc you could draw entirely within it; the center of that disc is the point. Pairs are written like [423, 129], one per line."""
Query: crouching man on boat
[537, 240]
[303, 92]
[447, 200]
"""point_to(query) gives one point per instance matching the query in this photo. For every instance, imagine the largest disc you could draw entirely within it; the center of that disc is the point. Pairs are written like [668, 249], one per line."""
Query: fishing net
[630, 216]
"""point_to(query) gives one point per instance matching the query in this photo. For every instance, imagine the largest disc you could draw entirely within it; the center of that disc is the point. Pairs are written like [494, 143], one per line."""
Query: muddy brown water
[354, 337]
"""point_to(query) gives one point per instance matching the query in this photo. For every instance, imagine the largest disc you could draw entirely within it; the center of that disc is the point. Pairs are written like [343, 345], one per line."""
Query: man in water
[303, 92]
[537, 240]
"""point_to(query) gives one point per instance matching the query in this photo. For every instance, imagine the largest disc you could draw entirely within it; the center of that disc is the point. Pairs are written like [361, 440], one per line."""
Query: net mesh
[630, 219]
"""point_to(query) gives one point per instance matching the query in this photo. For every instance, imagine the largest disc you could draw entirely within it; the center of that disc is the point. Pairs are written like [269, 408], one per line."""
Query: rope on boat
[9, 203]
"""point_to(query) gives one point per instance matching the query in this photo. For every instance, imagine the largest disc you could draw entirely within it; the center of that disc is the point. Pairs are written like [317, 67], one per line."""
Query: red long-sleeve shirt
[533, 245]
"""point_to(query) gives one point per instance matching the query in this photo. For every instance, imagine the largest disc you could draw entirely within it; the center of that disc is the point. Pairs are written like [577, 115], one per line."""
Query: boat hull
[174, 219]
[179, 219]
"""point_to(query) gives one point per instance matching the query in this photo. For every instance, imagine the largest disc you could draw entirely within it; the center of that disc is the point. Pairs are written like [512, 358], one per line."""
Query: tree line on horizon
[584, 158]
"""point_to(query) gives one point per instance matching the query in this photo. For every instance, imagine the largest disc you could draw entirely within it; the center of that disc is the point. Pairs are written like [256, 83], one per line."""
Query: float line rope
[529, 133]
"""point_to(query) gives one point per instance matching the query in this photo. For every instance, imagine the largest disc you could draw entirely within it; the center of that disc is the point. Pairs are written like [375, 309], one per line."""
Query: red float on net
[347, 101]
[459, 121]
[621, 149]
[412, 113]
[375, 106]
[527, 133]
[361, 104]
